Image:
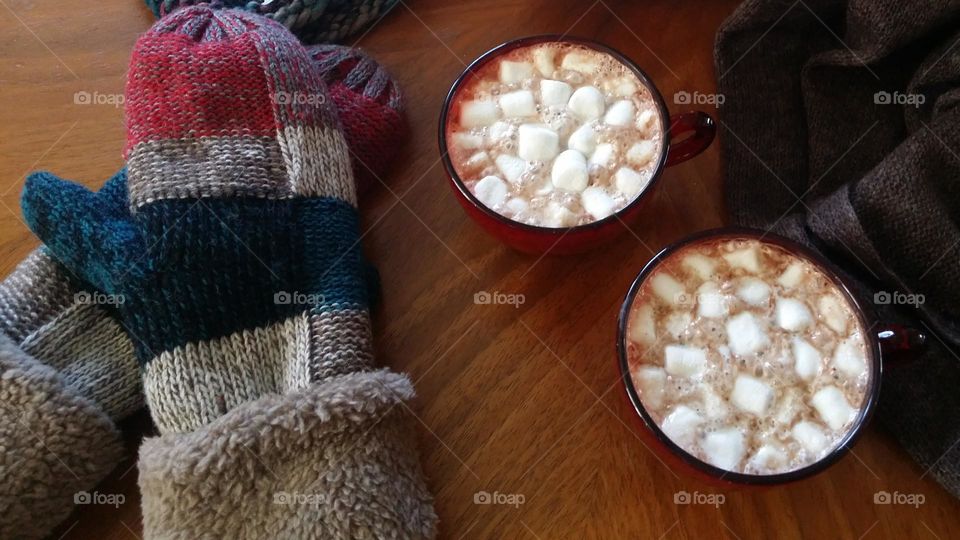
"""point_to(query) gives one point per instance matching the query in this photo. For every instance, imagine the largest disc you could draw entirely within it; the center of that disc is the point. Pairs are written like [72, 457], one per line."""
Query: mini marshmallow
[476, 161]
[645, 121]
[537, 142]
[517, 205]
[569, 171]
[751, 395]
[511, 167]
[683, 361]
[792, 314]
[650, 381]
[478, 113]
[519, 103]
[714, 406]
[543, 59]
[625, 88]
[586, 103]
[514, 72]
[555, 93]
[603, 155]
[468, 141]
[810, 437]
[832, 406]
[491, 191]
[745, 336]
[849, 358]
[643, 327]
[500, 130]
[710, 303]
[629, 182]
[702, 266]
[769, 457]
[724, 448]
[597, 202]
[620, 113]
[833, 313]
[641, 153]
[578, 61]
[792, 276]
[806, 359]
[681, 425]
[677, 323]
[557, 215]
[788, 406]
[668, 289]
[583, 140]
[754, 292]
[746, 258]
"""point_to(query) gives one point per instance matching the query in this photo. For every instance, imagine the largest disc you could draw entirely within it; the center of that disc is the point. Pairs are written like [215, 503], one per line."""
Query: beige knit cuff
[335, 460]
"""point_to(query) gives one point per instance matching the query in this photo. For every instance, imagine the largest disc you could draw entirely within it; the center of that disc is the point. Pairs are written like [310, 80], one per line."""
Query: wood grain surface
[520, 400]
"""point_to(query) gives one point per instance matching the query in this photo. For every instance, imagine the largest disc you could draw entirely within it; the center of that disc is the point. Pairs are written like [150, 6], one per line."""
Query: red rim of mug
[873, 346]
[508, 46]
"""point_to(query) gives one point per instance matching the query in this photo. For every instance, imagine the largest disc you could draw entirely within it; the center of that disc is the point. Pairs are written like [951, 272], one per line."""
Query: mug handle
[703, 130]
[899, 344]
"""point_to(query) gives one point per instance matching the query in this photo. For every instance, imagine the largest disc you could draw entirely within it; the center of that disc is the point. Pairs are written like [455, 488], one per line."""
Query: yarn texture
[313, 21]
[238, 256]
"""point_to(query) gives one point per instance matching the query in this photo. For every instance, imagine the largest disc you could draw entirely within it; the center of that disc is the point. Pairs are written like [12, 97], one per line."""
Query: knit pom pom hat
[313, 21]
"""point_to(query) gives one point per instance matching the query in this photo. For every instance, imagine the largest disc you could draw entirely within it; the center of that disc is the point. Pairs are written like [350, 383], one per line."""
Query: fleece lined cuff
[55, 444]
[335, 460]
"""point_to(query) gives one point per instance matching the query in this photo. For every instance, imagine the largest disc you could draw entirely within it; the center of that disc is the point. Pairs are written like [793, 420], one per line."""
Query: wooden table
[523, 400]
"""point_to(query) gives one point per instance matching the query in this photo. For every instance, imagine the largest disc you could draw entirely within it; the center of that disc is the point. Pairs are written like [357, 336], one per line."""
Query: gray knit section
[48, 318]
[33, 294]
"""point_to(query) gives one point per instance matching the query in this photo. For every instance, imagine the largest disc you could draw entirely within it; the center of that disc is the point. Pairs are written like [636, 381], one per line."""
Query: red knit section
[180, 88]
[373, 132]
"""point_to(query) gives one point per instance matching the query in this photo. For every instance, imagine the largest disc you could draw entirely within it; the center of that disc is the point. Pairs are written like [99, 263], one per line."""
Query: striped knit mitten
[313, 21]
[239, 261]
[67, 374]
[370, 107]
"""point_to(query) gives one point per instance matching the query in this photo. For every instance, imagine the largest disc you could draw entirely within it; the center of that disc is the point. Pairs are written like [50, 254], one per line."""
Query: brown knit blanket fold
[841, 129]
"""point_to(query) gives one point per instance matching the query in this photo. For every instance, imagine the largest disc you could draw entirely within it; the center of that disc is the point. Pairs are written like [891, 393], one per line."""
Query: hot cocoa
[555, 135]
[747, 356]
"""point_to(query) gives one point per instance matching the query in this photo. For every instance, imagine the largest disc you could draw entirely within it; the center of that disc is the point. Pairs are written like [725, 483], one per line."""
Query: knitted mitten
[64, 323]
[370, 108]
[239, 261]
[313, 21]
[67, 373]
